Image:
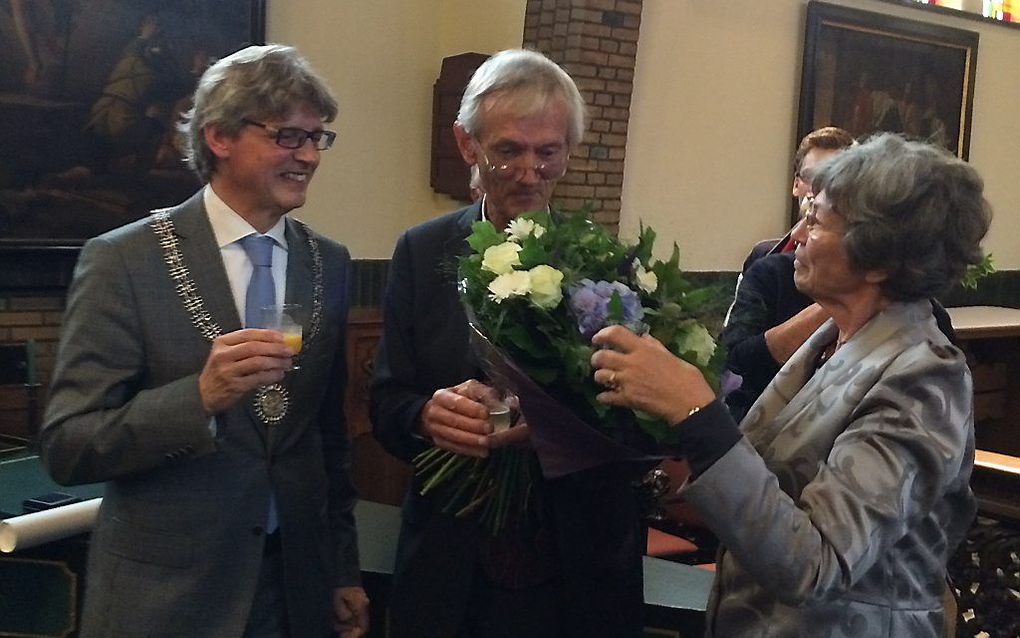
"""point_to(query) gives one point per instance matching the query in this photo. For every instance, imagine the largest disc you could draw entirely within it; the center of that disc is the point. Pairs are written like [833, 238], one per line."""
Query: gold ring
[611, 381]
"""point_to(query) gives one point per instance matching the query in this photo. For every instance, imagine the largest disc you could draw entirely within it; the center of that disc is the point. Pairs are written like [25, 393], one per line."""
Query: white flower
[646, 279]
[521, 228]
[693, 337]
[502, 258]
[515, 283]
[546, 291]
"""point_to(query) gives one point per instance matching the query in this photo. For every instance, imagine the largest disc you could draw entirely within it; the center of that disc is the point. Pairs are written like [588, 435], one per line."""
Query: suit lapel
[201, 254]
[455, 245]
[204, 261]
[300, 270]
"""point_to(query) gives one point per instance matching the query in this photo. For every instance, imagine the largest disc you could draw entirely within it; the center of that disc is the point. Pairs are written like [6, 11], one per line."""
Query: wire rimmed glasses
[514, 167]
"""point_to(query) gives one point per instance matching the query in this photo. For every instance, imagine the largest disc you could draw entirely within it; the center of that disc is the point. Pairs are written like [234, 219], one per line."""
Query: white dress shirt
[229, 228]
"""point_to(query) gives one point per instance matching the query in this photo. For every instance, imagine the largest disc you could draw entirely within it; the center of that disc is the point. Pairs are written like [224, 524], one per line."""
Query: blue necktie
[261, 287]
[261, 293]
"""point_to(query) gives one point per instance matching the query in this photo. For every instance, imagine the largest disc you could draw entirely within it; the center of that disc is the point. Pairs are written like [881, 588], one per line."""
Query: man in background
[228, 508]
[814, 149]
[769, 318]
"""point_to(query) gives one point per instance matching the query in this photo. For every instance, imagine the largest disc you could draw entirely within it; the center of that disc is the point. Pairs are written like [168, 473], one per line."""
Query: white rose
[502, 258]
[546, 291]
[512, 284]
[695, 338]
[646, 279]
[521, 228]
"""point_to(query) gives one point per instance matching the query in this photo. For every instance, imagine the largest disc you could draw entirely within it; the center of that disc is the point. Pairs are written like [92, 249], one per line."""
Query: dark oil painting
[867, 72]
[90, 91]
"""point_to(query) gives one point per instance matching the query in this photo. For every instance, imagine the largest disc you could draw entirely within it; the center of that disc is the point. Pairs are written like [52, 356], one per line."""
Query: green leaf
[615, 308]
[671, 280]
[484, 235]
[521, 337]
[540, 217]
[532, 253]
[646, 239]
[543, 376]
[577, 360]
[977, 271]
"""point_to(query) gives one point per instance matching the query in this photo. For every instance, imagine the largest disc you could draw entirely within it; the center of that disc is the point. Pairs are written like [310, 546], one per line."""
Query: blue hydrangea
[589, 302]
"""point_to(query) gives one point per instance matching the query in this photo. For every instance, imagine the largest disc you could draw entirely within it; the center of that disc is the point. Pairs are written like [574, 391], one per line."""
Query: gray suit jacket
[840, 506]
[178, 544]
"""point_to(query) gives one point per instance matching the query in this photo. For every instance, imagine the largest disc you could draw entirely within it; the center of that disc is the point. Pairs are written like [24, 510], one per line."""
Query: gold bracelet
[694, 411]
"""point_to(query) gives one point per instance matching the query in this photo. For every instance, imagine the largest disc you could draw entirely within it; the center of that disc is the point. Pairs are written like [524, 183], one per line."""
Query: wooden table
[990, 336]
[982, 322]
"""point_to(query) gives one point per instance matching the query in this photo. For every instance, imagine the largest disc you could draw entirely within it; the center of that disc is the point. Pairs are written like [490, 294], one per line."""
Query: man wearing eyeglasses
[228, 508]
[769, 318]
[579, 572]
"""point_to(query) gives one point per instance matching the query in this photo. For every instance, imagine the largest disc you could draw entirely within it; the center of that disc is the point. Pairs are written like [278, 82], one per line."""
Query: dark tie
[261, 287]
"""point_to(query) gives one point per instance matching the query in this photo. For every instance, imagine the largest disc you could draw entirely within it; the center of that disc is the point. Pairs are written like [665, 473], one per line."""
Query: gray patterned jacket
[840, 506]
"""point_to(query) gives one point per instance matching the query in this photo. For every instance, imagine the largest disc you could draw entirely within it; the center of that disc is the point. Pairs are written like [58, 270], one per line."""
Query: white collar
[228, 227]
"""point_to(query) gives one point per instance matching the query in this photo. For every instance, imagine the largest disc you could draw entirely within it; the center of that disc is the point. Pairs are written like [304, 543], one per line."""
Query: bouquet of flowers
[535, 295]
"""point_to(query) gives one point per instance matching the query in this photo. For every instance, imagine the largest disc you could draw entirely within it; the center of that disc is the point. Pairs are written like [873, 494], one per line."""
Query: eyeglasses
[293, 138]
[811, 214]
[511, 167]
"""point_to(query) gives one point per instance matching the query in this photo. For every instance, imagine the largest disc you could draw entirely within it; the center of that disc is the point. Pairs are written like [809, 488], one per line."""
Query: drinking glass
[287, 319]
[499, 416]
[504, 412]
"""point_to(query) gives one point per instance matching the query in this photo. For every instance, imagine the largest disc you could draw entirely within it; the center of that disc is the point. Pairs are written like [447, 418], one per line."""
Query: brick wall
[28, 316]
[595, 41]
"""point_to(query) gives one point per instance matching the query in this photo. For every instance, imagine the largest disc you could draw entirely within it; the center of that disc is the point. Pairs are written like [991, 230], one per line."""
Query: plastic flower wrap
[534, 295]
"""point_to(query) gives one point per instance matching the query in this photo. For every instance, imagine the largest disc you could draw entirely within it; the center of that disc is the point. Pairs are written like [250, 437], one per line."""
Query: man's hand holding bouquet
[534, 295]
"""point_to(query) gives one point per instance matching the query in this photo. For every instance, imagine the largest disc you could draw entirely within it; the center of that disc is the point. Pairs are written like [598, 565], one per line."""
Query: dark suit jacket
[594, 515]
[178, 544]
[765, 298]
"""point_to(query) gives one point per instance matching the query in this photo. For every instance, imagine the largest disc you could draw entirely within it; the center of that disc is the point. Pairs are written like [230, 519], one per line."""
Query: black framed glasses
[294, 138]
[514, 168]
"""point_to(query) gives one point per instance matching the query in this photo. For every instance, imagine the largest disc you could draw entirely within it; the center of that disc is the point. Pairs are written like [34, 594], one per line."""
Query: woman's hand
[638, 372]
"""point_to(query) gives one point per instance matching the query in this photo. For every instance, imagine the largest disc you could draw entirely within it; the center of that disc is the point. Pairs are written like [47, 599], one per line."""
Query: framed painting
[868, 72]
[90, 91]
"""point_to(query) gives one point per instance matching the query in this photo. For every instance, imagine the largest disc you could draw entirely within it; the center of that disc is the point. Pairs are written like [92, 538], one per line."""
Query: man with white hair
[579, 572]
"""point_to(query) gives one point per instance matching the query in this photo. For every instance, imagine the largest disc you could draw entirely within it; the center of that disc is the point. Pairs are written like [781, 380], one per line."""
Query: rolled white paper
[29, 530]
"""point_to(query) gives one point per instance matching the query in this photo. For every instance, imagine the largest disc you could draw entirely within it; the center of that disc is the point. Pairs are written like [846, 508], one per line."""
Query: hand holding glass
[286, 319]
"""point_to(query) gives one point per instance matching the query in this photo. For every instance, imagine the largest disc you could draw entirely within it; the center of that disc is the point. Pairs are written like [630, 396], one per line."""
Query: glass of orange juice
[287, 319]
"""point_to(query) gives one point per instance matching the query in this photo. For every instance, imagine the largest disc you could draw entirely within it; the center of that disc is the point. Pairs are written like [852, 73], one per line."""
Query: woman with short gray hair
[840, 498]
[913, 210]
